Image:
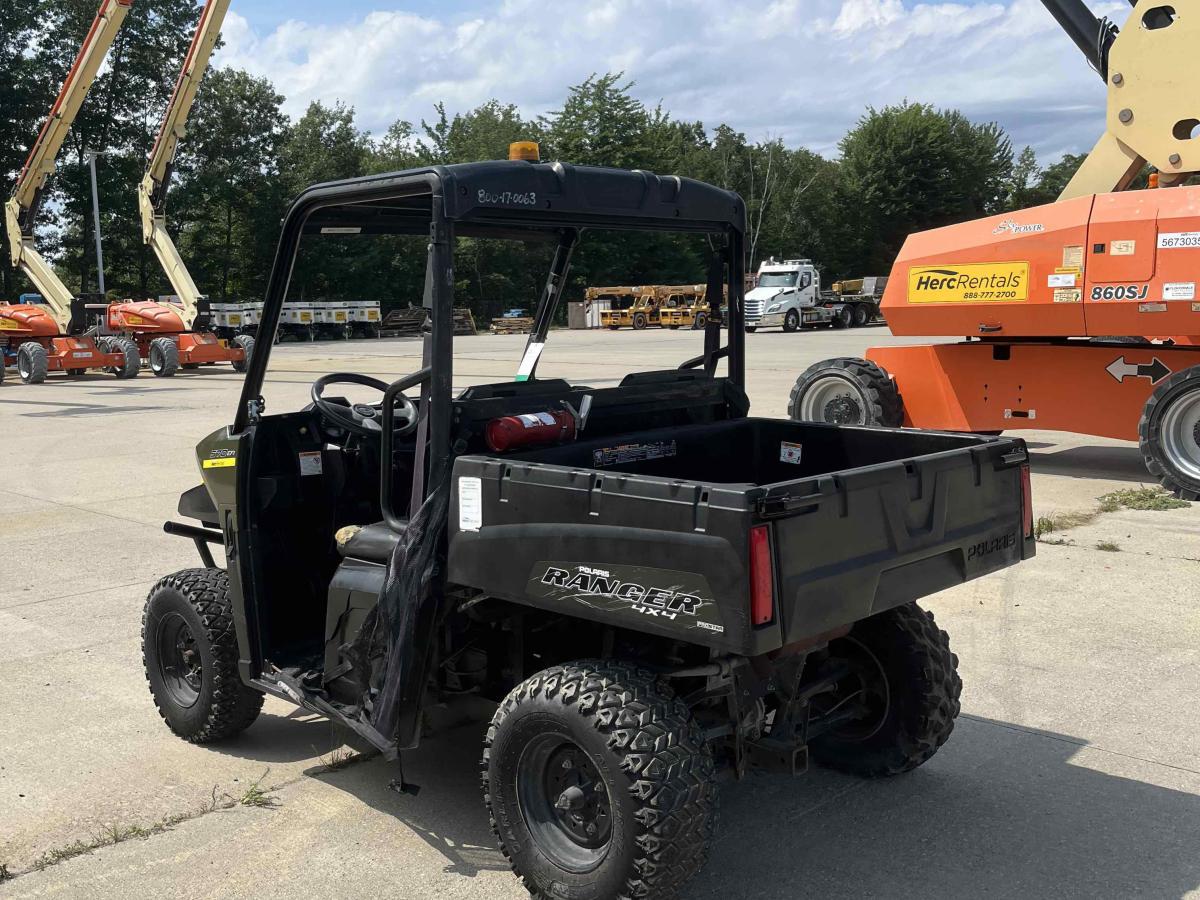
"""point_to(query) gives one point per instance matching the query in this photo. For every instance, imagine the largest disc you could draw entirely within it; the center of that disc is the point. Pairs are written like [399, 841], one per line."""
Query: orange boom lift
[1065, 306]
[52, 336]
[173, 334]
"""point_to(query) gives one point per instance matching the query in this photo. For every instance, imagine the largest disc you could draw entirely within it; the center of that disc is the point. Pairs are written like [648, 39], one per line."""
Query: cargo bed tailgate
[851, 544]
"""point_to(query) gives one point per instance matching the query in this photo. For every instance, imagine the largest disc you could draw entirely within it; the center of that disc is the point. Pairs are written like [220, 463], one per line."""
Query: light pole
[91, 160]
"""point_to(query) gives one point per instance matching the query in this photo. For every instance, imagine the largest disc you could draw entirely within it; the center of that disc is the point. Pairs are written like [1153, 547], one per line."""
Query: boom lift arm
[20, 212]
[1150, 68]
[152, 192]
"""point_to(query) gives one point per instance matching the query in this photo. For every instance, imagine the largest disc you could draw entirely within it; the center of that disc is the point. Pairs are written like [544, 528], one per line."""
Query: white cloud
[803, 70]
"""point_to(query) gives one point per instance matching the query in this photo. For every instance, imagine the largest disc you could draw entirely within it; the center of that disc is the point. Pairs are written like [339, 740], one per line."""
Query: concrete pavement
[1074, 772]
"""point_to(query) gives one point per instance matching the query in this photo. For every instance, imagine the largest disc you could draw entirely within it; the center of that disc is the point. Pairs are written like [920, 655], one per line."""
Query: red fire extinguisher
[536, 429]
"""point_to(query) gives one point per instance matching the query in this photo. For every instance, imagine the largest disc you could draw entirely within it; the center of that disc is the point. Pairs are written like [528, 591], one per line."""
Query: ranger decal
[681, 597]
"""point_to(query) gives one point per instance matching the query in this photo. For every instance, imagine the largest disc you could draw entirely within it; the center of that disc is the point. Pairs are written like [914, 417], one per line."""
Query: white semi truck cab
[788, 295]
[785, 291]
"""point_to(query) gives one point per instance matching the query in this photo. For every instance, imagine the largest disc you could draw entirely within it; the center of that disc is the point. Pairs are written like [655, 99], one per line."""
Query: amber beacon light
[526, 150]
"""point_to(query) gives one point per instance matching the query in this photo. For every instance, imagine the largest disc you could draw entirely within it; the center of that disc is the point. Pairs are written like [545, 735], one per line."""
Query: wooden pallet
[403, 322]
[464, 322]
[512, 326]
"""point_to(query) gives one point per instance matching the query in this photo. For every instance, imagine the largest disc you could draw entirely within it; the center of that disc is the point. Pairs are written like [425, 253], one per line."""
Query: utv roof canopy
[503, 198]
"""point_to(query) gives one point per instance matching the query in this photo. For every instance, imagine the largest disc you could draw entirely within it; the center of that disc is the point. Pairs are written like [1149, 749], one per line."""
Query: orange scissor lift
[53, 336]
[1082, 315]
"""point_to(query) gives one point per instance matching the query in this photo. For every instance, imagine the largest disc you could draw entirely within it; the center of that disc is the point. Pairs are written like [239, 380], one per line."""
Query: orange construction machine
[1081, 315]
[174, 334]
[52, 336]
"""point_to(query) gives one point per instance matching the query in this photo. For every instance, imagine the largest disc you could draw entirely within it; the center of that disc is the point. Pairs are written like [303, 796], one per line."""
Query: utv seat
[374, 543]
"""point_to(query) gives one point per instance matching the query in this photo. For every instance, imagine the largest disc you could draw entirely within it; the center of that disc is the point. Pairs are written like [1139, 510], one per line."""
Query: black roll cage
[514, 200]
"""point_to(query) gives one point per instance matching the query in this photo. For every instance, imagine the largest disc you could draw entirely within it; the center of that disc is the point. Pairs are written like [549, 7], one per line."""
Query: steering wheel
[362, 418]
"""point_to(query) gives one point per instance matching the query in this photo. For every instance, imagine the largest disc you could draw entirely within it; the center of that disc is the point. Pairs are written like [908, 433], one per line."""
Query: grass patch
[1062, 521]
[1108, 546]
[1153, 498]
[339, 759]
[255, 795]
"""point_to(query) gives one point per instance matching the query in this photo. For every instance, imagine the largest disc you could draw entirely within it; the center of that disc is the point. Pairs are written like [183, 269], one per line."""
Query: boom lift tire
[131, 363]
[846, 391]
[639, 321]
[904, 669]
[32, 363]
[246, 343]
[791, 321]
[164, 357]
[190, 654]
[1169, 433]
[598, 783]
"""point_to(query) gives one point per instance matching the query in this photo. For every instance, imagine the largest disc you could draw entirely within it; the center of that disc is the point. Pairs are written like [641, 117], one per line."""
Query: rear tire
[1169, 433]
[164, 357]
[909, 678]
[598, 783]
[791, 321]
[702, 320]
[861, 315]
[843, 318]
[32, 363]
[639, 321]
[246, 343]
[190, 654]
[846, 391]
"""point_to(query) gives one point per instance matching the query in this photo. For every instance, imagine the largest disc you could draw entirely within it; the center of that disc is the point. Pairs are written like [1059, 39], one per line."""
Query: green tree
[229, 198]
[910, 167]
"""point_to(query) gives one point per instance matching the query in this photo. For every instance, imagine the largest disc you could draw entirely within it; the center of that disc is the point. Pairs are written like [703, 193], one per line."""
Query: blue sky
[801, 70]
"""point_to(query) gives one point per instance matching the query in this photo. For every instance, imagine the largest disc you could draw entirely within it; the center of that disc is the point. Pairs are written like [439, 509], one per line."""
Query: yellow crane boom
[21, 210]
[152, 192]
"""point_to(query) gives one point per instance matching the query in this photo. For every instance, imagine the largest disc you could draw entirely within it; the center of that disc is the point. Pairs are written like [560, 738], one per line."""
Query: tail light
[762, 590]
[1026, 502]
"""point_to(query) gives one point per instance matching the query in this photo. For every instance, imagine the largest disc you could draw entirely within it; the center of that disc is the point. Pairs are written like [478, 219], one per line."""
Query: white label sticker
[1179, 290]
[533, 420]
[470, 503]
[1178, 240]
[790, 453]
[1123, 248]
[81, 354]
[310, 462]
[1061, 280]
[529, 360]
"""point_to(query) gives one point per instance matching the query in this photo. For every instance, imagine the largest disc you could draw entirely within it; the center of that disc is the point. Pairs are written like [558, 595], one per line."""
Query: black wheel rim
[564, 802]
[179, 661]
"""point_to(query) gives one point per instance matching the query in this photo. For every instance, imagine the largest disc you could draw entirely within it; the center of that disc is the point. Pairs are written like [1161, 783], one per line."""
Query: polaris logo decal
[988, 547]
[680, 597]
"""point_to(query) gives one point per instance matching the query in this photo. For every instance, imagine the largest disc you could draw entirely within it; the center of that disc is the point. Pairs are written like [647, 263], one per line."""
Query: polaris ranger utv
[655, 587]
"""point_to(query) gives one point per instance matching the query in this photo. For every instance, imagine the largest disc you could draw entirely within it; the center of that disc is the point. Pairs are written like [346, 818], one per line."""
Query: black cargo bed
[859, 520]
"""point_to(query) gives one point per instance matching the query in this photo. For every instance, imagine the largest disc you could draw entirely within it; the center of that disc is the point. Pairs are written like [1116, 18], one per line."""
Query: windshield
[778, 279]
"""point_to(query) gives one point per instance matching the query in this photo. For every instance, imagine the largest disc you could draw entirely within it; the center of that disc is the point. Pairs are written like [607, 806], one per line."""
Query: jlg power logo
[969, 283]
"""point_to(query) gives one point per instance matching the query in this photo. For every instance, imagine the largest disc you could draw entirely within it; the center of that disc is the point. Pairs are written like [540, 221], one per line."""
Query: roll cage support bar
[436, 375]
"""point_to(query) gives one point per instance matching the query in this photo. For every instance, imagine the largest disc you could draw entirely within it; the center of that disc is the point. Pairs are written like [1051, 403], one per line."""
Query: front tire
[791, 321]
[846, 391]
[598, 783]
[906, 679]
[164, 357]
[32, 363]
[1169, 433]
[639, 321]
[190, 655]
